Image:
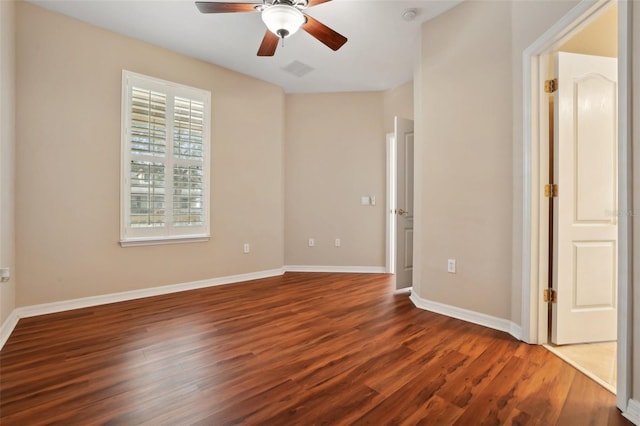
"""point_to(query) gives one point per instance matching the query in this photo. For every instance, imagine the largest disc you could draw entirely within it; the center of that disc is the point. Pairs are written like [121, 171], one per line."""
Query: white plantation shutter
[148, 131]
[147, 184]
[165, 161]
[188, 123]
[188, 189]
[147, 139]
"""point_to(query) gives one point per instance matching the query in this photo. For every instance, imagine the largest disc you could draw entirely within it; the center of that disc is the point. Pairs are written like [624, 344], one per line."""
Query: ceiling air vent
[298, 69]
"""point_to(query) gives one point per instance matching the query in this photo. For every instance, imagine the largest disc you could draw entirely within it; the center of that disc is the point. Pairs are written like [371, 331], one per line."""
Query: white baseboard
[633, 411]
[7, 327]
[85, 302]
[515, 330]
[339, 269]
[470, 316]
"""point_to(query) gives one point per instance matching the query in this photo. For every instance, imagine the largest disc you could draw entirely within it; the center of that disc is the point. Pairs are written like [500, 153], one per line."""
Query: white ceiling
[379, 55]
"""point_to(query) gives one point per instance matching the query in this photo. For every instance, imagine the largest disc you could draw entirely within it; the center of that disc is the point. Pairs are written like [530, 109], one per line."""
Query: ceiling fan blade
[326, 35]
[316, 2]
[214, 7]
[269, 44]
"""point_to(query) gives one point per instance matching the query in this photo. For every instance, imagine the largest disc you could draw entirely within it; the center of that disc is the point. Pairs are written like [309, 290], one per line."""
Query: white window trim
[168, 234]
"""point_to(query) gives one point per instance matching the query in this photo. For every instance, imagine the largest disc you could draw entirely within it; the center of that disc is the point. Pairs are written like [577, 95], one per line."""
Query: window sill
[134, 242]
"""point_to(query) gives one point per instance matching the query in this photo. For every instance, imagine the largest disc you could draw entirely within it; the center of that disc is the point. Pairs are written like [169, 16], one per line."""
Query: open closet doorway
[579, 174]
[583, 220]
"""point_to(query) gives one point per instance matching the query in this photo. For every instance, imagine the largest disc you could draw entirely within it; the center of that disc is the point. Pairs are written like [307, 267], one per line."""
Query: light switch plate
[451, 266]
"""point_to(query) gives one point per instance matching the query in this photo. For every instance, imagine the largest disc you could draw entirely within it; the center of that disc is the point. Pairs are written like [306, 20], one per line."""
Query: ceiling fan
[282, 18]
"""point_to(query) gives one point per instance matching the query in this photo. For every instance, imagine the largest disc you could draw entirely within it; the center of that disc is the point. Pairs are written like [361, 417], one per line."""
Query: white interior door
[585, 264]
[403, 135]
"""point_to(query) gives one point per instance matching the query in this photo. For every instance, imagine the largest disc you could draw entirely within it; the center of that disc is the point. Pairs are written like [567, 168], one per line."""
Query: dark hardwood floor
[301, 349]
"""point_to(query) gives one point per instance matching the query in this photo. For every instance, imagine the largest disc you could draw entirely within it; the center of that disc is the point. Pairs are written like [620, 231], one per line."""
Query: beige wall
[61, 261]
[469, 152]
[7, 155]
[397, 102]
[599, 38]
[335, 153]
[464, 156]
[68, 165]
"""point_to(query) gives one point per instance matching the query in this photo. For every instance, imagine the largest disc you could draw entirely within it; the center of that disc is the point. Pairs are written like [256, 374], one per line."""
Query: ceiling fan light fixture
[282, 20]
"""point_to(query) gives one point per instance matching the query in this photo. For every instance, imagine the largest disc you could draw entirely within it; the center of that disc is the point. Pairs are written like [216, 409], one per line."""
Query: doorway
[582, 226]
[400, 180]
[535, 320]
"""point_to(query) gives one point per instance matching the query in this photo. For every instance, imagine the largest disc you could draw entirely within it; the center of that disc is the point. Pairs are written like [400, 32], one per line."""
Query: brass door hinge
[550, 295]
[551, 190]
[551, 86]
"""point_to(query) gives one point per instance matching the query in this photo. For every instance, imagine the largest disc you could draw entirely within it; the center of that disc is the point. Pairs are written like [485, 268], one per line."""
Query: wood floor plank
[545, 385]
[400, 405]
[464, 384]
[435, 411]
[299, 349]
[495, 403]
[583, 394]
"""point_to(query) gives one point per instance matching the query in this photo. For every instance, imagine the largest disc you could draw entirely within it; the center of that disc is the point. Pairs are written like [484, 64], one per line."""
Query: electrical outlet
[338, 242]
[451, 266]
[246, 248]
[312, 242]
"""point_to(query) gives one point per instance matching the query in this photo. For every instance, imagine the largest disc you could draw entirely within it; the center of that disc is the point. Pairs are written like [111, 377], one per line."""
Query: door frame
[391, 203]
[534, 261]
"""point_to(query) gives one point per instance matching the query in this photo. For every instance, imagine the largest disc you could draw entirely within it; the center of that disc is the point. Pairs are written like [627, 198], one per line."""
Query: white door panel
[404, 202]
[585, 219]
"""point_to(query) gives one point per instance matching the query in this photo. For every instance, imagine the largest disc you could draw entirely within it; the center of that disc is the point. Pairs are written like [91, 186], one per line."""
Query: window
[165, 161]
